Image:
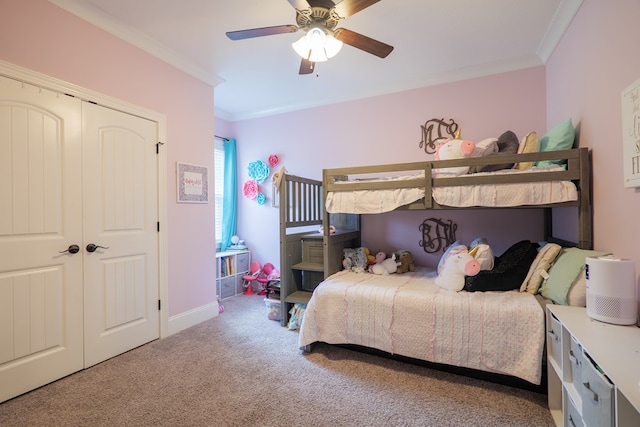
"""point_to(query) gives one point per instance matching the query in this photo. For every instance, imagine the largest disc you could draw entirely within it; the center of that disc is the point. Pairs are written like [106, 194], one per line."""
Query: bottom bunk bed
[408, 315]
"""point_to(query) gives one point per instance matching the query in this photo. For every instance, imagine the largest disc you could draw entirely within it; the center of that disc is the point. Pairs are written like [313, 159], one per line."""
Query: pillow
[484, 254]
[454, 248]
[529, 144]
[507, 144]
[485, 147]
[539, 269]
[577, 296]
[564, 272]
[560, 137]
[508, 272]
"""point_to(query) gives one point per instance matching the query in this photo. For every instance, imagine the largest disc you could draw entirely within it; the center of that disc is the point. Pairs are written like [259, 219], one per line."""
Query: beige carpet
[241, 369]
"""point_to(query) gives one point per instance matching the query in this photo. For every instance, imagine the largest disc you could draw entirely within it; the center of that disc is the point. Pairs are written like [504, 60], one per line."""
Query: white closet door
[41, 302]
[120, 214]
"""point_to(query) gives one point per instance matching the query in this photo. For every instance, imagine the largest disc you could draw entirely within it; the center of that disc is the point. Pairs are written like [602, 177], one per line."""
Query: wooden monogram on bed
[437, 234]
[435, 130]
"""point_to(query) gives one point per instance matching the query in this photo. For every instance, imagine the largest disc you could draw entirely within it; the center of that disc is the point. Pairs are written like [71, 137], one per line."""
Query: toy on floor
[220, 306]
[263, 277]
[249, 278]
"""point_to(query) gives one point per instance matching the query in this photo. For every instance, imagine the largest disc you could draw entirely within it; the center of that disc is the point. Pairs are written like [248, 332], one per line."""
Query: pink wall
[37, 35]
[386, 129]
[596, 60]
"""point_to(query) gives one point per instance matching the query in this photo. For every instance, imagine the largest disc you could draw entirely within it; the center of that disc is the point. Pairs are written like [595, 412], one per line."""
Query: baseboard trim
[192, 317]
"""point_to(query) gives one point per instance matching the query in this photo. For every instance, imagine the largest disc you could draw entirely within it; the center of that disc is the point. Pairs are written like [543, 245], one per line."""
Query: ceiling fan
[322, 40]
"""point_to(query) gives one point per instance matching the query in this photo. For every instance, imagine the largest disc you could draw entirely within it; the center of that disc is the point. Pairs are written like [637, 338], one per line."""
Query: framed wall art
[631, 135]
[193, 183]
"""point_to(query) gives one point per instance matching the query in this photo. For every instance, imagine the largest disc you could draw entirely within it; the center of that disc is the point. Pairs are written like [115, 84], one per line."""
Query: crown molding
[100, 19]
[566, 11]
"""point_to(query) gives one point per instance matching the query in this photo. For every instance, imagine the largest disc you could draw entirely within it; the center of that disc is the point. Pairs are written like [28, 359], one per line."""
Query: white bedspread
[407, 314]
[485, 195]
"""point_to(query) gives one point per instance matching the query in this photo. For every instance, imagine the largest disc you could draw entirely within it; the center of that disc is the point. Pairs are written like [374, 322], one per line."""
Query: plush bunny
[385, 265]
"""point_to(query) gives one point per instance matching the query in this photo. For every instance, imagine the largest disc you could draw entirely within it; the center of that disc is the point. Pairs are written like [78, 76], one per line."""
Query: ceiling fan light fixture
[317, 46]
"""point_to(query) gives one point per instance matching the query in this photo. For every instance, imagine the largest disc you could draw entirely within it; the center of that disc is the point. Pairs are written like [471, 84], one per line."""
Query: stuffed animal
[355, 260]
[454, 149]
[370, 258]
[385, 265]
[457, 263]
[405, 258]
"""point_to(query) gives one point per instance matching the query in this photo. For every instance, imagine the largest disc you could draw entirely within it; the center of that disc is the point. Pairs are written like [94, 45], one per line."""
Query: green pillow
[564, 272]
[560, 137]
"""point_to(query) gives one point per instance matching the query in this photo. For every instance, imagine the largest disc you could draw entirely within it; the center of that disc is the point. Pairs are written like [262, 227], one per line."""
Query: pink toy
[457, 265]
[263, 277]
[249, 278]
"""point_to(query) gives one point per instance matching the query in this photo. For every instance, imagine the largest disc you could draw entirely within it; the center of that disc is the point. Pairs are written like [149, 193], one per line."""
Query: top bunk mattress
[482, 195]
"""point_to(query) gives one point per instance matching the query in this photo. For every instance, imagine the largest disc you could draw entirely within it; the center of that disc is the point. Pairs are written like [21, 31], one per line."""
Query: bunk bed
[407, 315]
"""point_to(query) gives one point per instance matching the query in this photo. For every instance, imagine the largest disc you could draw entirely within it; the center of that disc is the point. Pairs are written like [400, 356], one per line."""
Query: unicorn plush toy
[456, 263]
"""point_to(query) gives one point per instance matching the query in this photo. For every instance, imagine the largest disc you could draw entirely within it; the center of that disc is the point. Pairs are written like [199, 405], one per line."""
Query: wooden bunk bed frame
[302, 205]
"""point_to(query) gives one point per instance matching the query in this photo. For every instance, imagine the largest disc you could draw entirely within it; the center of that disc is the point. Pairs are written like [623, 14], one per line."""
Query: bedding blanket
[485, 195]
[407, 314]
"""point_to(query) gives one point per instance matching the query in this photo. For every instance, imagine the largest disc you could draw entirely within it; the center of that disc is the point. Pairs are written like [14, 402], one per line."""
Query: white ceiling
[435, 41]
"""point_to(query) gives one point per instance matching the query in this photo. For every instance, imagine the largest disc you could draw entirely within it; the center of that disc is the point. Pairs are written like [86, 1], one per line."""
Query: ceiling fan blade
[306, 66]
[361, 42]
[259, 32]
[299, 4]
[346, 8]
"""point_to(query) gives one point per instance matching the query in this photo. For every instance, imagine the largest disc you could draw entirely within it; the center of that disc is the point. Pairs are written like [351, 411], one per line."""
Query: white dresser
[593, 370]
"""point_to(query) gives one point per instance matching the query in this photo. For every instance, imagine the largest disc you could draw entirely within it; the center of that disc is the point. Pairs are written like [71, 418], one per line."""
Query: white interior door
[120, 199]
[41, 301]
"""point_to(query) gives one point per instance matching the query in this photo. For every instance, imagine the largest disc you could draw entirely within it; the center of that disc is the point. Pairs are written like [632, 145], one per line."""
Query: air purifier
[611, 290]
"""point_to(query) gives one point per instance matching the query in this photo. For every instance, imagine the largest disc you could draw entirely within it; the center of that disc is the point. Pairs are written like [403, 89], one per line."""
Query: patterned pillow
[508, 272]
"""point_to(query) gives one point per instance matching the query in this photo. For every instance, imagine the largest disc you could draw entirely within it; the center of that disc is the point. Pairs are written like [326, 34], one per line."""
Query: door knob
[72, 249]
[92, 248]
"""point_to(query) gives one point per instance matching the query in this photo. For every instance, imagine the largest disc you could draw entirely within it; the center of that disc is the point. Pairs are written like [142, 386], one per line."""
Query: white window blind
[219, 186]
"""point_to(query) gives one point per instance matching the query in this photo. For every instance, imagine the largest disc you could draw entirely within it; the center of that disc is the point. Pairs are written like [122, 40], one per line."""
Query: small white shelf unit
[230, 267]
[593, 370]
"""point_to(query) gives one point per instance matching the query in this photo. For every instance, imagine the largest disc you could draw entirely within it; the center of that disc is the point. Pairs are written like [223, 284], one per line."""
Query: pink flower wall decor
[273, 160]
[250, 189]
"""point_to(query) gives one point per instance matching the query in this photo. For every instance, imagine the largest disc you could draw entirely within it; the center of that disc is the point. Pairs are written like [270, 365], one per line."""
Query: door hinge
[158, 226]
[159, 305]
[158, 146]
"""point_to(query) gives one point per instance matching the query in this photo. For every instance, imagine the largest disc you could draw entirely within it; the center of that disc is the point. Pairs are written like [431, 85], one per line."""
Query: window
[219, 184]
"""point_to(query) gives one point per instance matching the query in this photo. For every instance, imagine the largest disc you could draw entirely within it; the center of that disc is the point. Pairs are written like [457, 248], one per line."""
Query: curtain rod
[222, 138]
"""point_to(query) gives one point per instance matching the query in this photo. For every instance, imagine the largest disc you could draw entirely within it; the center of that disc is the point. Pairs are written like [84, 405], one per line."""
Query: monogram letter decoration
[437, 234]
[435, 130]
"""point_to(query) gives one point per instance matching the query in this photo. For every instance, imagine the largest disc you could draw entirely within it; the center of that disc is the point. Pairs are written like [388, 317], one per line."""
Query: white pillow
[486, 147]
[484, 254]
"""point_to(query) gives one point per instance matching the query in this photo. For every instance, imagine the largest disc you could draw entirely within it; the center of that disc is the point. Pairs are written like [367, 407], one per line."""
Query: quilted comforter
[408, 315]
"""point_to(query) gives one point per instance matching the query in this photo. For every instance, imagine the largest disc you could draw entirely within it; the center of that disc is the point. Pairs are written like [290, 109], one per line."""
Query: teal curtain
[230, 199]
